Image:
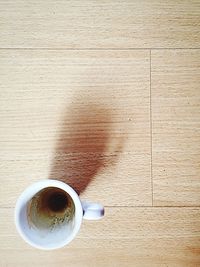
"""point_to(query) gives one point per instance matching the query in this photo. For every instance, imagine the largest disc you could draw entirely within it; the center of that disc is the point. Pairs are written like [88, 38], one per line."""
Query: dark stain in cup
[50, 208]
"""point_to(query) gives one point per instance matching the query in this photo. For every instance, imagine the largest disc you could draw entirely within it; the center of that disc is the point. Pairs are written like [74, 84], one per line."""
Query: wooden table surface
[104, 95]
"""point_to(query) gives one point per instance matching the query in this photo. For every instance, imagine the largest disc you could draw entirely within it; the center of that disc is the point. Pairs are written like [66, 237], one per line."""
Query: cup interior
[50, 217]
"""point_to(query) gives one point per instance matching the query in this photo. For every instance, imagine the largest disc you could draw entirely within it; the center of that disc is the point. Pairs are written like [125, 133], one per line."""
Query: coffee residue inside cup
[50, 208]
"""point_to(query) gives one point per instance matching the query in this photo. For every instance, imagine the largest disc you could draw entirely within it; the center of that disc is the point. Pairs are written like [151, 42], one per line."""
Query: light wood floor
[104, 95]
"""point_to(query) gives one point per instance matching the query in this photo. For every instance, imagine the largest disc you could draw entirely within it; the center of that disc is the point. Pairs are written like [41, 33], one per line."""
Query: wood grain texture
[155, 237]
[99, 95]
[99, 24]
[77, 116]
[176, 127]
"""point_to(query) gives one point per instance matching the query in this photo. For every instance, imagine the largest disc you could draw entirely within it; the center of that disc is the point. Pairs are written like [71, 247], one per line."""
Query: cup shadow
[81, 150]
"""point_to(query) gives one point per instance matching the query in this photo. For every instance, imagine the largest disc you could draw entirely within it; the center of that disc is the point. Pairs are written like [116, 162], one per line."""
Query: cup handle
[92, 211]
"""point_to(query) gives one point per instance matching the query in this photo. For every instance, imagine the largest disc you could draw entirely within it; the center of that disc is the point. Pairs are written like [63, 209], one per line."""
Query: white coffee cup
[64, 232]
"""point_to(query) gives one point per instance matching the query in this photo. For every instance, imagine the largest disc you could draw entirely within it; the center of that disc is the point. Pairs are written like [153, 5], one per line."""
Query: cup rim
[33, 189]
